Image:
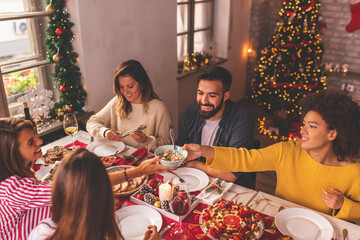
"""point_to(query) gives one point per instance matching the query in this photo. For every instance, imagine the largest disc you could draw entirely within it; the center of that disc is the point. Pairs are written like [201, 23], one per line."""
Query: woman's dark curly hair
[340, 112]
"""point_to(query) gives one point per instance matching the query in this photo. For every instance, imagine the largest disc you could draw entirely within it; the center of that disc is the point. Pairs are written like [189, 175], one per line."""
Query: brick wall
[342, 49]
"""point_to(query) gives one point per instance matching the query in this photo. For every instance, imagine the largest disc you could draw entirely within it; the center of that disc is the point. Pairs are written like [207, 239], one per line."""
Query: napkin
[77, 144]
[139, 153]
[212, 196]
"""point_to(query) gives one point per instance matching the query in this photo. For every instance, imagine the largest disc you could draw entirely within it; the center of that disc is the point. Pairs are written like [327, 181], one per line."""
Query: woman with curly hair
[135, 104]
[319, 171]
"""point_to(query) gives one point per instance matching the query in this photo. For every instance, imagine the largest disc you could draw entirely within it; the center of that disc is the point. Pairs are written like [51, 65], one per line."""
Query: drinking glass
[70, 126]
[326, 234]
[180, 205]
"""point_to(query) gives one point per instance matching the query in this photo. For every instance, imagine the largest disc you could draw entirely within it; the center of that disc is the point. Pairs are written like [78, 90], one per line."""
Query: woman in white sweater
[136, 104]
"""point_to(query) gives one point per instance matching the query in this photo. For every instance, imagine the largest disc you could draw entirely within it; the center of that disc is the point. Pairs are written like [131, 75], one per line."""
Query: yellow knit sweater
[299, 177]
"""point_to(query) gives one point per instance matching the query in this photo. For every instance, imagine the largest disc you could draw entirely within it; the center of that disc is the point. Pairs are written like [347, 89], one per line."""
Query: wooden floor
[265, 181]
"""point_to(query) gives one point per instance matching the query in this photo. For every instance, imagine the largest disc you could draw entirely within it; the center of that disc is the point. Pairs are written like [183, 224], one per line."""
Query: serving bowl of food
[108, 161]
[170, 158]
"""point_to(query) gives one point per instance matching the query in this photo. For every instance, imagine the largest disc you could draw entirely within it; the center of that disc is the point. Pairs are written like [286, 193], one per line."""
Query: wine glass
[70, 126]
[326, 234]
[180, 205]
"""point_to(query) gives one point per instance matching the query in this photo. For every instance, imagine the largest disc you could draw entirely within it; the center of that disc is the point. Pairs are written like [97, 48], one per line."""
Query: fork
[181, 180]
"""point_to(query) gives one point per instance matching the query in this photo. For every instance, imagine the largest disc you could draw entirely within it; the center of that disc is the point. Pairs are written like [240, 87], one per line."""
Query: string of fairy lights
[290, 65]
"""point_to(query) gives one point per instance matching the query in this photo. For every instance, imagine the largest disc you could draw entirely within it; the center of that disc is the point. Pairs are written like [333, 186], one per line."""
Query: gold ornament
[56, 57]
[50, 9]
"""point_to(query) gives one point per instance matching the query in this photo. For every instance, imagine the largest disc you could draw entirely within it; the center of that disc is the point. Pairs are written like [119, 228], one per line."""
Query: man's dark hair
[217, 74]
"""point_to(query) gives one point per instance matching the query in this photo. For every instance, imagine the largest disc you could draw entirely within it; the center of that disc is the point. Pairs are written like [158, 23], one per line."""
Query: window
[195, 21]
[22, 52]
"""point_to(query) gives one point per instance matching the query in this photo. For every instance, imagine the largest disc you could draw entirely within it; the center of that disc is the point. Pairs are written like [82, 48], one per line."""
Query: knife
[166, 228]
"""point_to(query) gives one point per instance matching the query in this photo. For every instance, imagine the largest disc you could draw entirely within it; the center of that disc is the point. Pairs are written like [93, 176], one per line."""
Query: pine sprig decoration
[60, 51]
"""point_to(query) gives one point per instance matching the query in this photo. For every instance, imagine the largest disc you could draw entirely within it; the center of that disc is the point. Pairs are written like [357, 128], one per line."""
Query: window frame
[27, 62]
[191, 23]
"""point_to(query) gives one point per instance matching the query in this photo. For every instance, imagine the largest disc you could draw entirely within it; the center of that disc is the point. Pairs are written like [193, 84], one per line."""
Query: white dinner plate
[195, 178]
[105, 147]
[300, 223]
[133, 221]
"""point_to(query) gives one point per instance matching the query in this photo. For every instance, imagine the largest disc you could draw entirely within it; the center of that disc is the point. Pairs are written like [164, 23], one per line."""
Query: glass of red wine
[180, 205]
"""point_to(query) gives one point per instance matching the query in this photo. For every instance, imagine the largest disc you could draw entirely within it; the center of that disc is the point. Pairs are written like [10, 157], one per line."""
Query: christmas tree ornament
[62, 88]
[354, 24]
[56, 58]
[70, 110]
[50, 9]
[59, 31]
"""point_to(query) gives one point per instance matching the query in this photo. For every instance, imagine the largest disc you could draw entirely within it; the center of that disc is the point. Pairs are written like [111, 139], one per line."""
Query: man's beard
[210, 114]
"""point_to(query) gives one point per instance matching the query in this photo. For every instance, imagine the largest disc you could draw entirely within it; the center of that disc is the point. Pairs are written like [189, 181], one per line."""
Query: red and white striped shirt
[24, 202]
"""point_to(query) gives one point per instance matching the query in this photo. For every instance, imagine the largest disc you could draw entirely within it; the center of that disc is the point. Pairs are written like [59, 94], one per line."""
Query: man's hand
[152, 234]
[113, 135]
[138, 136]
[153, 166]
[194, 151]
[333, 199]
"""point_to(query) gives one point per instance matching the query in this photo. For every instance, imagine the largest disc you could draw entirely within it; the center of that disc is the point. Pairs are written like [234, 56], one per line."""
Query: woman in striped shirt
[83, 203]
[24, 200]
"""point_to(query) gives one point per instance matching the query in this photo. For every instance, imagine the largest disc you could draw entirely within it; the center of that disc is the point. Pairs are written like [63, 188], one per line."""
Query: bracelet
[105, 132]
[126, 177]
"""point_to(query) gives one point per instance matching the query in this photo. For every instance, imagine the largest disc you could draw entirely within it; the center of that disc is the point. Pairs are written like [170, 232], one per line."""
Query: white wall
[109, 32]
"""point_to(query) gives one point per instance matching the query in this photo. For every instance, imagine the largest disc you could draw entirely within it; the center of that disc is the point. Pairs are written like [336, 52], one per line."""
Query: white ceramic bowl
[160, 150]
[108, 161]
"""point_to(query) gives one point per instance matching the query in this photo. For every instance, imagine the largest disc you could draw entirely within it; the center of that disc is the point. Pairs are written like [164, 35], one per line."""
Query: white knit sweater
[157, 121]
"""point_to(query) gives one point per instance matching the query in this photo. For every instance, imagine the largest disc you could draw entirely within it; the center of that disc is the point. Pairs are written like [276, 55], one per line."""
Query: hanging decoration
[60, 51]
[50, 8]
[290, 67]
[39, 101]
[59, 31]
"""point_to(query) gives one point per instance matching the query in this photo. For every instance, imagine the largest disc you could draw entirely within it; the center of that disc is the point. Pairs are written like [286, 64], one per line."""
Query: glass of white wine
[70, 125]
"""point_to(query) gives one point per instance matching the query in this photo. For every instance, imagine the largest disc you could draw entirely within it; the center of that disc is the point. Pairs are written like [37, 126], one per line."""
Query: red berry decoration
[182, 195]
[156, 191]
[70, 110]
[62, 88]
[140, 196]
[152, 182]
[59, 31]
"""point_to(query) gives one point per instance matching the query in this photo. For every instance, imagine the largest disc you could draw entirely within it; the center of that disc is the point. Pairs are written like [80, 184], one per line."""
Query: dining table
[266, 204]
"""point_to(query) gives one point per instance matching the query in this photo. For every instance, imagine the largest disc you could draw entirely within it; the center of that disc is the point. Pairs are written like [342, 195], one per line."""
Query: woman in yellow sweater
[135, 104]
[319, 171]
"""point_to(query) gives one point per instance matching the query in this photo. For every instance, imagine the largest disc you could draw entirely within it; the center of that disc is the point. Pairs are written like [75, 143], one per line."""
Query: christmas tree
[289, 67]
[67, 75]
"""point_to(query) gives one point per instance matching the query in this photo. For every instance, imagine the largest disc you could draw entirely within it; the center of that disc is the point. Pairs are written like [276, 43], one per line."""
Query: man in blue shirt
[217, 121]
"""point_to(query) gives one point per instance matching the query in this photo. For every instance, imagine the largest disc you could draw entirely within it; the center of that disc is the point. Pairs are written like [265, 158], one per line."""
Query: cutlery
[141, 127]
[272, 229]
[166, 228]
[181, 180]
[345, 233]
[172, 136]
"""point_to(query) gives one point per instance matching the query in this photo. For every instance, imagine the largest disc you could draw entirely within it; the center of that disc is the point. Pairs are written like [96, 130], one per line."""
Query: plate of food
[105, 147]
[301, 223]
[195, 178]
[229, 220]
[47, 173]
[54, 154]
[127, 187]
[133, 221]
